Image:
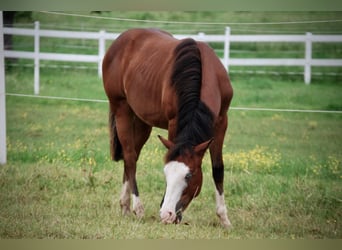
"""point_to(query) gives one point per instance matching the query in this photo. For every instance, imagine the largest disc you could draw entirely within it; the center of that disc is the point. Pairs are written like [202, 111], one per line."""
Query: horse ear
[168, 144]
[201, 148]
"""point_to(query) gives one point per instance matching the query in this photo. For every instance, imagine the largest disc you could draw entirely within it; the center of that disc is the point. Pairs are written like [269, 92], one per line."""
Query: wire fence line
[193, 23]
[60, 98]
[116, 24]
[181, 29]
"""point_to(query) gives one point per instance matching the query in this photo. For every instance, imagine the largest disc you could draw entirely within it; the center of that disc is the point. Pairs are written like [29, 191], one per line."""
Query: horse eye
[188, 176]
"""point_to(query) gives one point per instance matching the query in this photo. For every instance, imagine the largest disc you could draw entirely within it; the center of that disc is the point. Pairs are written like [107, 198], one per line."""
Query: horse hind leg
[116, 152]
[142, 132]
[127, 190]
[125, 200]
[121, 145]
[132, 134]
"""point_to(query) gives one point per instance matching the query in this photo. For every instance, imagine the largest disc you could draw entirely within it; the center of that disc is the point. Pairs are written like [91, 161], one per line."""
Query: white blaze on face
[175, 173]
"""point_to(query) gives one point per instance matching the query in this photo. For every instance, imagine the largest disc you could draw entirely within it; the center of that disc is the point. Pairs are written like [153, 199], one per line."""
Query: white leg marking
[138, 207]
[125, 198]
[221, 210]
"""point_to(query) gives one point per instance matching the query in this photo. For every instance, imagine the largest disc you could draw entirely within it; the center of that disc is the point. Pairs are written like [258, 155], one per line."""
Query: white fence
[226, 39]
[3, 148]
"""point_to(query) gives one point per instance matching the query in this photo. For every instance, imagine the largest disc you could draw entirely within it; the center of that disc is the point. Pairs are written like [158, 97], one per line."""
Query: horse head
[183, 180]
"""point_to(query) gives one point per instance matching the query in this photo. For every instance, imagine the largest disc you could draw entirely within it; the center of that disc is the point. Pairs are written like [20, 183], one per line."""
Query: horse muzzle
[169, 217]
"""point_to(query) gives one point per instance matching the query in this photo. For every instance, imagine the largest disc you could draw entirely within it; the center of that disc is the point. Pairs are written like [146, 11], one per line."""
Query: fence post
[36, 57]
[3, 149]
[102, 47]
[308, 57]
[226, 48]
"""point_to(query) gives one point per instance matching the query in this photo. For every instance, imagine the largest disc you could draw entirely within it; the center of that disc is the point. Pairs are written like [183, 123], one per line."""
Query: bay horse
[155, 80]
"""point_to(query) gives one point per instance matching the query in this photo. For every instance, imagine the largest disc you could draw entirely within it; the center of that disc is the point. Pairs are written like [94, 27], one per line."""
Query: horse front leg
[218, 170]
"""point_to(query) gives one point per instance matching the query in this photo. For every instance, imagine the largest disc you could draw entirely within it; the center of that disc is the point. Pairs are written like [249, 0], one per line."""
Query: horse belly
[152, 117]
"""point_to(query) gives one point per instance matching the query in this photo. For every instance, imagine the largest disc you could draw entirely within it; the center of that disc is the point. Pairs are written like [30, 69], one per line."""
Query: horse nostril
[167, 216]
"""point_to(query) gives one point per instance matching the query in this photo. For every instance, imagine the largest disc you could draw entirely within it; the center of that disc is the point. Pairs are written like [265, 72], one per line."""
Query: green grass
[282, 178]
[283, 171]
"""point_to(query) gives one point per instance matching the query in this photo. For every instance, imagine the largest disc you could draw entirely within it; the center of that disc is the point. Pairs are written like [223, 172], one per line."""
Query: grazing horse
[154, 80]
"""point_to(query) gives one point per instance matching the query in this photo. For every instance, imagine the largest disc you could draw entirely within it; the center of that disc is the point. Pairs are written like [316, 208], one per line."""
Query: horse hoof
[139, 211]
[125, 210]
[226, 224]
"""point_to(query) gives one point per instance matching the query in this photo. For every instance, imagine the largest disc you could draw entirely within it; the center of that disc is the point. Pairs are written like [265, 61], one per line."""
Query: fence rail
[102, 36]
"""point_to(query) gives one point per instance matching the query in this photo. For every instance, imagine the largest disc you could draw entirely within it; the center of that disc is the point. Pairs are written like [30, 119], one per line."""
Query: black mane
[194, 118]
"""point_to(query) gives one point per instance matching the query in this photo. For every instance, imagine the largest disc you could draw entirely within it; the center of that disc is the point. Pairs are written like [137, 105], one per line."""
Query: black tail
[115, 145]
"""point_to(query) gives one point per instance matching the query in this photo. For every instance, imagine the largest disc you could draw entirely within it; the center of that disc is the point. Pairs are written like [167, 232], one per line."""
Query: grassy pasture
[283, 171]
[282, 178]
